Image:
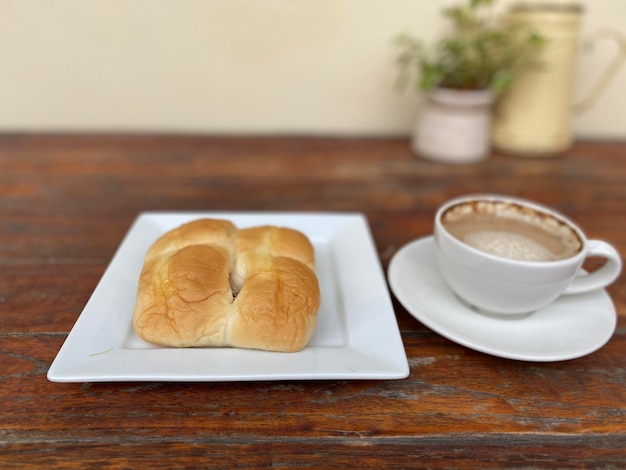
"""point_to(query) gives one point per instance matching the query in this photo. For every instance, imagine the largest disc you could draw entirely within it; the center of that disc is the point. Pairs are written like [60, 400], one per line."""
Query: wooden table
[67, 201]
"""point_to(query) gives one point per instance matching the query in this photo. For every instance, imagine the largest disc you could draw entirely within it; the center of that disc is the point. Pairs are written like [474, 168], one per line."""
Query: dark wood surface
[67, 201]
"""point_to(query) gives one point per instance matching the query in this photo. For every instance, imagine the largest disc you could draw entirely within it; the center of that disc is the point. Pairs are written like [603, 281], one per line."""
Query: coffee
[509, 230]
[514, 229]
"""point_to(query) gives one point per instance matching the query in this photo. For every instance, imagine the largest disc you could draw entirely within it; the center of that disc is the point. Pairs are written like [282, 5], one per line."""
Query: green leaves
[478, 3]
[476, 52]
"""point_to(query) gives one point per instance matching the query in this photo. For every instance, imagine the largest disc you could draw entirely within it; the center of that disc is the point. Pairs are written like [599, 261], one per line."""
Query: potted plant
[463, 72]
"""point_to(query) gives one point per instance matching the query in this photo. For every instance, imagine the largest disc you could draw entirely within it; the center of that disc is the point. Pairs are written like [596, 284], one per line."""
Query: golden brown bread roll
[207, 283]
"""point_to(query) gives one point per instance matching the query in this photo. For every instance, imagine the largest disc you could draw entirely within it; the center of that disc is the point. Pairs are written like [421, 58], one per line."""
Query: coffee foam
[509, 244]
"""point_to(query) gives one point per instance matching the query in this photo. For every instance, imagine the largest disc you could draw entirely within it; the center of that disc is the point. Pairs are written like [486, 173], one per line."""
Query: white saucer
[571, 327]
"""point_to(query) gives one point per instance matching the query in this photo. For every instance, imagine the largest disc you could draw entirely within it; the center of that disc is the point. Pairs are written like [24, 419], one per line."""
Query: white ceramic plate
[356, 337]
[571, 327]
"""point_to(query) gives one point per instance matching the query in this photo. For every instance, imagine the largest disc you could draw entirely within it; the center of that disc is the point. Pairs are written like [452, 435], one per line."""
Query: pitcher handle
[614, 65]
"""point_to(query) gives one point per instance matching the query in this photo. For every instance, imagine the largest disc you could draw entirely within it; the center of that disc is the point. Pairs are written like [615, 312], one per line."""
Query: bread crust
[208, 284]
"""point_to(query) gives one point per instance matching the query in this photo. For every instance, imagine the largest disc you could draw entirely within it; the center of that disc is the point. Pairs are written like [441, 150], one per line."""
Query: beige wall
[231, 66]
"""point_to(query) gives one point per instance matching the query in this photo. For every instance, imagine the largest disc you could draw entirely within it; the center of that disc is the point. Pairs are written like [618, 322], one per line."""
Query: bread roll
[207, 283]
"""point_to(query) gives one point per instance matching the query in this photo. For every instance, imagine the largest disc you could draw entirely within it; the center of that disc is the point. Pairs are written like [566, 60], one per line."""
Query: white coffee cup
[511, 270]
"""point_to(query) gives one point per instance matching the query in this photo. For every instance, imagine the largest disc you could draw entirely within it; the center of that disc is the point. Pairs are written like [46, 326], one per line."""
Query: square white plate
[356, 337]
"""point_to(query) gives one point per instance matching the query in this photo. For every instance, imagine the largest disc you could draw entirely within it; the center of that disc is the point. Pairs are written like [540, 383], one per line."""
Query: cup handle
[609, 72]
[601, 277]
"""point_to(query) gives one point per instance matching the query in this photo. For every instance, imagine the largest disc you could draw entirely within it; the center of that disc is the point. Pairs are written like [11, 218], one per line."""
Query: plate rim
[390, 362]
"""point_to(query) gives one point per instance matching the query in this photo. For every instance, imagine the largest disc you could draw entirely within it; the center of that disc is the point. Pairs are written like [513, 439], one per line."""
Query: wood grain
[66, 203]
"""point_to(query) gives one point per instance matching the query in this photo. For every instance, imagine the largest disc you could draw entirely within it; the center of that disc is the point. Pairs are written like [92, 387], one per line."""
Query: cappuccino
[513, 231]
[523, 255]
